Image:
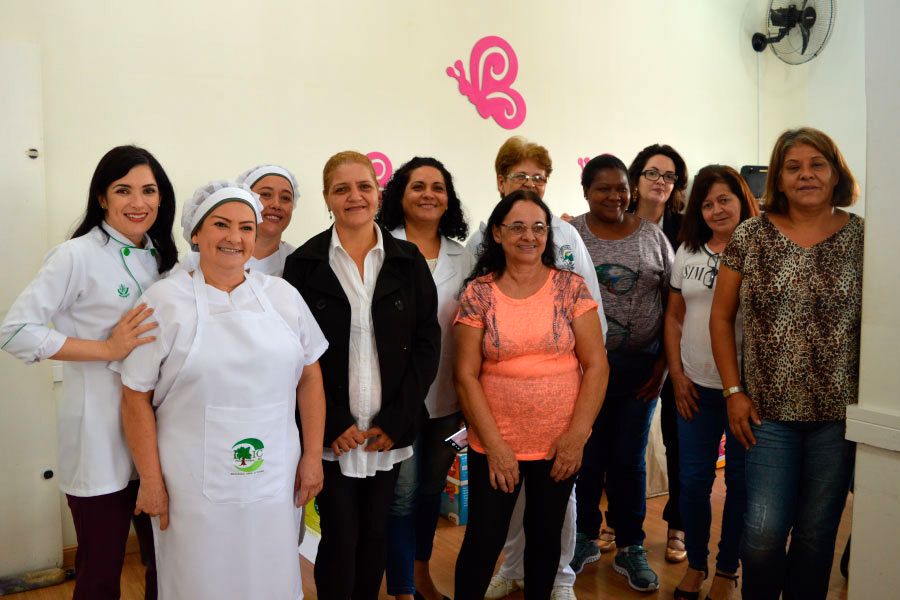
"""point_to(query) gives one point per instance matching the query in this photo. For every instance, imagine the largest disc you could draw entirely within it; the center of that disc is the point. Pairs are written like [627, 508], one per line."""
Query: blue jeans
[798, 477]
[417, 502]
[614, 455]
[698, 441]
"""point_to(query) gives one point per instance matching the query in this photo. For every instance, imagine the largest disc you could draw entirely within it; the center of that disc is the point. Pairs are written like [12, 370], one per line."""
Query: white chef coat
[84, 287]
[570, 253]
[364, 376]
[233, 390]
[270, 265]
[454, 264]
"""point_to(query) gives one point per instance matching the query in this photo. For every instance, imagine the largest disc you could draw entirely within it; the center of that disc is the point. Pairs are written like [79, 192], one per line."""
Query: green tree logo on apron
[123, 291]
[248, 455]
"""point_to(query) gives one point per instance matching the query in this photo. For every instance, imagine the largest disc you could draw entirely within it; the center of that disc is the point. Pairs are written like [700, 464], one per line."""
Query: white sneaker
[562, 592]
[501, 587]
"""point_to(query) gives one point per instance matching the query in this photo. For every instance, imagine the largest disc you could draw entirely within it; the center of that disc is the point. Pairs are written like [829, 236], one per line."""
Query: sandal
[683, 595]
[732, 577]
[675, 550]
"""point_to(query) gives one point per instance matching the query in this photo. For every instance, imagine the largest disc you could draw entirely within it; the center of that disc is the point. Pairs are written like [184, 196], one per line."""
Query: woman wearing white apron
[236, 353]
[278, 192]
[88, 288]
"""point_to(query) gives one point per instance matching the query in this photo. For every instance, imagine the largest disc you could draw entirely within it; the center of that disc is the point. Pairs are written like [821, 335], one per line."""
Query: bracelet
[732, 390]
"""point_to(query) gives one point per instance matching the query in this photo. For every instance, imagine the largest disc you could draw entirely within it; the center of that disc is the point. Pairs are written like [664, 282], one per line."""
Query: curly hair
[491, 256]
[694, 230]
[845, 192]
[515, 150]
[675, 202]
[453, 222]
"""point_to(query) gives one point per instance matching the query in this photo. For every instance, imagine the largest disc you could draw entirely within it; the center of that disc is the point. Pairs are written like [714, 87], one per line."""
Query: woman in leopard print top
[796, 273]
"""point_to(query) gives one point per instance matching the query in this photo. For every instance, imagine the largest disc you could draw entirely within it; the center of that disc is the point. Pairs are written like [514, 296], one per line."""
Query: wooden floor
[598, 580]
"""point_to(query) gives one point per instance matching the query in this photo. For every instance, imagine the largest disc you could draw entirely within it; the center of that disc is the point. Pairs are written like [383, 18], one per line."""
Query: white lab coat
[271, 265]
[454, 264]
[224, 371]
[84, 287]
[571, 254]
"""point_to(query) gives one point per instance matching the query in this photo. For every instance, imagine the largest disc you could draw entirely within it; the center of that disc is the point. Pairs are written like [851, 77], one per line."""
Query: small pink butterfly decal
[383, 167]
[583, 161]
[493, 67]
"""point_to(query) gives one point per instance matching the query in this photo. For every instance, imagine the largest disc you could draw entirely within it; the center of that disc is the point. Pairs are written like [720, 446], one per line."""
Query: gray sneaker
[586, 551]
[631, 562]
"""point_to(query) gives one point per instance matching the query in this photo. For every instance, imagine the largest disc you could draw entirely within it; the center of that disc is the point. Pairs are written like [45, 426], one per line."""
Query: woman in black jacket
[375, 300]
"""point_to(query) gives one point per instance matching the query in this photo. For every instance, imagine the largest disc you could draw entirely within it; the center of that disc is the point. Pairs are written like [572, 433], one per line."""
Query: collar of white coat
[336, 241]
[447, 246]
[123, 240]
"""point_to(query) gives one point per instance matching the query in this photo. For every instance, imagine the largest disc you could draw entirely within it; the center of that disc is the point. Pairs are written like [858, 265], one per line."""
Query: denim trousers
[417, 502]
[490, 511]
[798, 476]
[614, 455]
[699, 444]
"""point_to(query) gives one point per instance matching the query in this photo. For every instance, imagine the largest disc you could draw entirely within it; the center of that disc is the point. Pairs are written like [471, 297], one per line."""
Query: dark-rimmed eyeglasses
[653, 175]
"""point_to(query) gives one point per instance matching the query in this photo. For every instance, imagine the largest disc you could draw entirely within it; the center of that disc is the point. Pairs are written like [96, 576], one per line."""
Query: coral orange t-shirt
[529, 371]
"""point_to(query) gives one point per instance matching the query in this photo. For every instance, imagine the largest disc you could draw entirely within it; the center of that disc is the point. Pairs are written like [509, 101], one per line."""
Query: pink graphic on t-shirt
[583, 161]
[493, 67]
[383, 167]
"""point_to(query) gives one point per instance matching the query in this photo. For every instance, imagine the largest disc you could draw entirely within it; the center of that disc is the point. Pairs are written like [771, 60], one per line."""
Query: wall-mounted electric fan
[797, 29]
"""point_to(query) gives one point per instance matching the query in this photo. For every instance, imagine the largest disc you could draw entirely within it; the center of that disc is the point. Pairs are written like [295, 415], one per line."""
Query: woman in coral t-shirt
[531, 373]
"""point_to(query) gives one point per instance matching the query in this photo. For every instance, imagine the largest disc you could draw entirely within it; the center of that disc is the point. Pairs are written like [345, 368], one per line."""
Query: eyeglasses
[523, 178]
[709, 278]
[653, 175]
[538, 229]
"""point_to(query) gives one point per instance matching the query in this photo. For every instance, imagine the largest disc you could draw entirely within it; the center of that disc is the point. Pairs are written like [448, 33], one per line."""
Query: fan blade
[805, 33]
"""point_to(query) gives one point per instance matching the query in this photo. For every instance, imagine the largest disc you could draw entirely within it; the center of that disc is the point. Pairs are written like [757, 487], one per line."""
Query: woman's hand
[308, 480]
[568, 451]
[378, 440]
[125, 336]
[650, 390]
[740, 413]
[348, 440]
[153, 499]
[503, 467]
[686, 396]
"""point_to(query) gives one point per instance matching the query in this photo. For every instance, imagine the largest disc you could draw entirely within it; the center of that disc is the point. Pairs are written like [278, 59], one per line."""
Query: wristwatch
[732, 390]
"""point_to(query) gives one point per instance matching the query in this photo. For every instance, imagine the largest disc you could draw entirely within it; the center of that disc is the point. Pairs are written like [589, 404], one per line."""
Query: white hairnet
[211, 195]
[249, 178]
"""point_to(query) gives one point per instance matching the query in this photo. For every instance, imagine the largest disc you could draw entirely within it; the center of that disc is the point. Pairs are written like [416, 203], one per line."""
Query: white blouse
[364, 385]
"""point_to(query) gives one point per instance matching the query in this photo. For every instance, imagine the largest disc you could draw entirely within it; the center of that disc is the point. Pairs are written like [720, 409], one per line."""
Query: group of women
[251, 377]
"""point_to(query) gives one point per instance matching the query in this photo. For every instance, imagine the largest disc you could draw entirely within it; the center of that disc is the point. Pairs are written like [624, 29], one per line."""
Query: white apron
[229, 447]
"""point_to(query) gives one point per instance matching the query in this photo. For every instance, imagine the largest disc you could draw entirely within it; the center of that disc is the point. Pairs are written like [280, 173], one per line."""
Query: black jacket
[407, 334]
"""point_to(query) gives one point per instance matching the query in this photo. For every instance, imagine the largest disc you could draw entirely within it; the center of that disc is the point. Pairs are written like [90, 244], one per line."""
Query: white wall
[214, 86]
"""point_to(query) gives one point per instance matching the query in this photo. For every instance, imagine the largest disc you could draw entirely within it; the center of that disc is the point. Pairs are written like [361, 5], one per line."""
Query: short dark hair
[114, 165]
[601, 163]
[845, 192]
[675, 203]
[453, 222]
[694, 230]
[491, 257]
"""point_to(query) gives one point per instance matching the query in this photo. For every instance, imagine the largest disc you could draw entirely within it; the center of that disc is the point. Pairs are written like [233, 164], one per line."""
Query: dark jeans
[417, 503]
[798, 477]
[101, 529]
[353, 514]
[615, 455]
[668, 417]
[699, 439]
[489, 514]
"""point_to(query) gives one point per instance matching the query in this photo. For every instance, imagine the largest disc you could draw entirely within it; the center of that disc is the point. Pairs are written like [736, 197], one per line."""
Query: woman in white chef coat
[209, 407]
[278, 192]
[420, 205]
[88, 288]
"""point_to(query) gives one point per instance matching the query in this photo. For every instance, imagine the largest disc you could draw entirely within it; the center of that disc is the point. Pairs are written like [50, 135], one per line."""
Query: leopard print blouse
[801, 309]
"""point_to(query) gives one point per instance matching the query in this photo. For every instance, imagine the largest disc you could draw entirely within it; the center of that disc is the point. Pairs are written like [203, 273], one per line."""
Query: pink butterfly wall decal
[493, 67]
[383, 167]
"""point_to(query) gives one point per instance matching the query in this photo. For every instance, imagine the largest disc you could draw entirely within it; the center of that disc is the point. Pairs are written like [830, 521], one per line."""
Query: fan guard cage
[790, 49]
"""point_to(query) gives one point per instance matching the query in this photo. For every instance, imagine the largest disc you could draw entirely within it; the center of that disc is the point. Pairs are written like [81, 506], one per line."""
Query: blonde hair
[515, 150]
[845, 192]
[343, 158]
